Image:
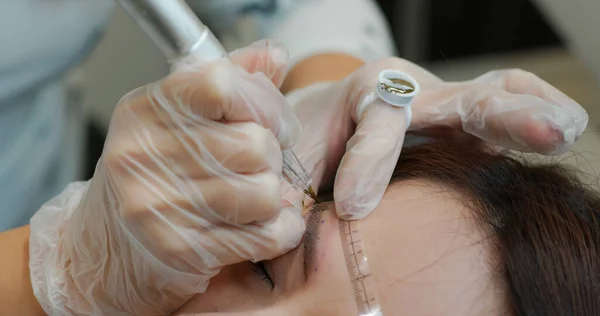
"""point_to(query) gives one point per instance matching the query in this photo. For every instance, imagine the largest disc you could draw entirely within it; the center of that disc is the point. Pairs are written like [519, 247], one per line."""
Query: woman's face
[425, 254]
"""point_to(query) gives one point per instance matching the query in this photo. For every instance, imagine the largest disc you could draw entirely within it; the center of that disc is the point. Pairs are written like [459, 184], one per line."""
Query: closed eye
[260, 269]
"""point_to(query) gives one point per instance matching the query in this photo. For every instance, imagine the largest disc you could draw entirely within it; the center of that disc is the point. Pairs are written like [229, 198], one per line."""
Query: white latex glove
[189, 182]
[344, 127]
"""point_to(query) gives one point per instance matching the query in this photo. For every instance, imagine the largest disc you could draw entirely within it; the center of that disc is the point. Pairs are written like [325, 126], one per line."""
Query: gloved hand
[189, 182]
[345, 125]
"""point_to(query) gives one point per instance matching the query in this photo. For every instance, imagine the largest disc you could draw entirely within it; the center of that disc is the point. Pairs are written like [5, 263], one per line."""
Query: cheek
[235, 288]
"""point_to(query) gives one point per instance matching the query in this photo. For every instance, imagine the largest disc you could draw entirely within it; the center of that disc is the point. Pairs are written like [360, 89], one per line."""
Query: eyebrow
[311, 236]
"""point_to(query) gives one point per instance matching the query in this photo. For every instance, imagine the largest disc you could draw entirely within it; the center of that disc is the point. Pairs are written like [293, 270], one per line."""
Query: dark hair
[543, 222]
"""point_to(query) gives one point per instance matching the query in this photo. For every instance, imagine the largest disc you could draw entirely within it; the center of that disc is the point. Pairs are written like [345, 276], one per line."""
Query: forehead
[427, 255]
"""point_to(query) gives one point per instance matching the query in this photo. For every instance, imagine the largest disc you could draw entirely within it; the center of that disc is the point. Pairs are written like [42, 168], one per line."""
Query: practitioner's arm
[320, 68]
[16, 293]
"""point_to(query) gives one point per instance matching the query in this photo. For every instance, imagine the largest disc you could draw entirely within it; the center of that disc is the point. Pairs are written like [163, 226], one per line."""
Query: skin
[426, 256]
[320, 68]
[15, 287]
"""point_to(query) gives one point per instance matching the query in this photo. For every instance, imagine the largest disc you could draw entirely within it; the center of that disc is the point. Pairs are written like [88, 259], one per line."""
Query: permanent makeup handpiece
[178, 32]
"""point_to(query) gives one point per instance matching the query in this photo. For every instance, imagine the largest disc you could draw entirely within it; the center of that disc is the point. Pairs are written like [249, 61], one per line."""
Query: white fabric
[356, 27]
[40, 134]
[306, 27]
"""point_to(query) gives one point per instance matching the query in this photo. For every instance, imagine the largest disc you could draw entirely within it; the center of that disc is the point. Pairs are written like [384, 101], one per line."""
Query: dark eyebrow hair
[311, 236]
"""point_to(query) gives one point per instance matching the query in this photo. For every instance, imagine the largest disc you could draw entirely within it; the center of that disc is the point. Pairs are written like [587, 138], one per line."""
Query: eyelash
[260, 269]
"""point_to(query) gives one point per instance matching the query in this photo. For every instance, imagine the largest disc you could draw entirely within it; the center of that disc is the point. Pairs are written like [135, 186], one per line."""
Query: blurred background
[456, 39]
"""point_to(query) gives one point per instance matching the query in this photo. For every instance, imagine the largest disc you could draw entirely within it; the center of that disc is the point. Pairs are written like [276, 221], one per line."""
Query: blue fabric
[40, 40]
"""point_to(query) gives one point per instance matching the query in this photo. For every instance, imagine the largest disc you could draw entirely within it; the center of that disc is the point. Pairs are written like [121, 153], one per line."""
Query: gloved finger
[518, 81]
[232, 199]
[243, 200]
[269, 57]
[219, 91]
[371, 155]
[196, 152]
[521, 82]
[272, 238]
[200, 248]
[516, 121]
[443, 134]
[522, 122]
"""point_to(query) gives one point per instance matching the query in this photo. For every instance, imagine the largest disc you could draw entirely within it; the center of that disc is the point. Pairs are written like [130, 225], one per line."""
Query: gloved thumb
[266, 56]
[371, 155]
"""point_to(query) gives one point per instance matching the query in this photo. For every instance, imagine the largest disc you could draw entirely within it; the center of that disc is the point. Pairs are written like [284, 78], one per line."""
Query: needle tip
[311, 193]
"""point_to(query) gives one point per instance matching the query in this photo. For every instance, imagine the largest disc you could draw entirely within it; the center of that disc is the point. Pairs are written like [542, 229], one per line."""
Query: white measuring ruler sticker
[363, 285]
